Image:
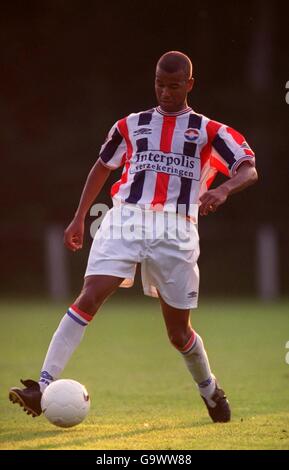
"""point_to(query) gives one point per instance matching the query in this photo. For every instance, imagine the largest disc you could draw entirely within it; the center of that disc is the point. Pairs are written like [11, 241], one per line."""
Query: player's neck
[176, 110]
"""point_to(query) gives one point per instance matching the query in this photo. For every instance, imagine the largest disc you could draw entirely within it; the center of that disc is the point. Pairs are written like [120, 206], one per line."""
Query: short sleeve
[229, 150]
[112, 152]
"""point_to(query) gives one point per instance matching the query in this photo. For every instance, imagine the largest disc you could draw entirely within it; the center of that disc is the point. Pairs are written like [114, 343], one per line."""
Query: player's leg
[96, 289]
[191, 346]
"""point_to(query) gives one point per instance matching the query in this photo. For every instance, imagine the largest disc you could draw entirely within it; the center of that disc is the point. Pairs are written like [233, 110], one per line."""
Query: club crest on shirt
[192, 135]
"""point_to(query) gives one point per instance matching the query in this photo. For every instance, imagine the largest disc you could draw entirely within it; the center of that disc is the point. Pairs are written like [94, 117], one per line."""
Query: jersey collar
[179, 113]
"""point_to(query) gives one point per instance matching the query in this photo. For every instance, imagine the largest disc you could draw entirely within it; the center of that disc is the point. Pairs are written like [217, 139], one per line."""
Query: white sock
[64, 342]
[197, 362]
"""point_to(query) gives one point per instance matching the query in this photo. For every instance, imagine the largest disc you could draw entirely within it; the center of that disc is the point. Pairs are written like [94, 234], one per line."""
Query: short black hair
[174, 61]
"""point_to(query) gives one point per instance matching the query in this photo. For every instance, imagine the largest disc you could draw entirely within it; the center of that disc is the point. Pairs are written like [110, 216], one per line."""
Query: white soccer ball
[65, 403]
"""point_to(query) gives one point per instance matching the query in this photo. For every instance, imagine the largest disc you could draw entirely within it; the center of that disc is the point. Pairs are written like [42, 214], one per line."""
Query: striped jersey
[170, 159]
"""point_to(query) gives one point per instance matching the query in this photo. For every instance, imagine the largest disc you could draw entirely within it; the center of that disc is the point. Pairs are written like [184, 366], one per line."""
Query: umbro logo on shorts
[142, 131]
[192, 294]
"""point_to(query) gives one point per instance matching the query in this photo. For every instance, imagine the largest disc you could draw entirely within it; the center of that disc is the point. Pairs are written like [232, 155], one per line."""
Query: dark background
[70, 69]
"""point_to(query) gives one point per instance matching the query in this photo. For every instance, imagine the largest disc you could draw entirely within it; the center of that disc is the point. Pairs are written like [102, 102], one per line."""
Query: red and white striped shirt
[170, 159]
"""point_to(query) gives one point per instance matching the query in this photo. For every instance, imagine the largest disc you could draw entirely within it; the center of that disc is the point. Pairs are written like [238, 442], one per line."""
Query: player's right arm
[73, 235]
[112, 154]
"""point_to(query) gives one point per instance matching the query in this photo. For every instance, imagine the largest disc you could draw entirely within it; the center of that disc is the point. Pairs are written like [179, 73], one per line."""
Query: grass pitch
[142, 395]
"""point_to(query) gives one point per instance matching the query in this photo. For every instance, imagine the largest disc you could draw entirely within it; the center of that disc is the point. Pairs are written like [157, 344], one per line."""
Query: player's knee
[90, 300]
[178, 338]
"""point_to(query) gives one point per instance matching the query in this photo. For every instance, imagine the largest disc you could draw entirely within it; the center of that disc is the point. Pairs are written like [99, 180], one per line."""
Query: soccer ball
[65, 403]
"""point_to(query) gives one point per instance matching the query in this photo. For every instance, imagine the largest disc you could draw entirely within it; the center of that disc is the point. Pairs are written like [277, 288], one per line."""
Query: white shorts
[129, 235]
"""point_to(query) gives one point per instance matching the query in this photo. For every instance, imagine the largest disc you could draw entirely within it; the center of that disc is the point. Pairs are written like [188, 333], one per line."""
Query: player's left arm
[246, 175]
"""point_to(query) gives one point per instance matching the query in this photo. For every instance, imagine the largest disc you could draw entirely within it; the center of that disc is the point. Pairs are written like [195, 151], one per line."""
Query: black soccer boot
[28, 397]
[221, 413]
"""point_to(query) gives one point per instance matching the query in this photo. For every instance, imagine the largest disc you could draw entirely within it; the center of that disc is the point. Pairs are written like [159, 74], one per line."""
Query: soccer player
[170, 155]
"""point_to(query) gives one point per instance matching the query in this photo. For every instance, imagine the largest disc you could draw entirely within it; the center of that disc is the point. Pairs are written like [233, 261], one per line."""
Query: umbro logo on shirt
[244, 145]
[142, 131]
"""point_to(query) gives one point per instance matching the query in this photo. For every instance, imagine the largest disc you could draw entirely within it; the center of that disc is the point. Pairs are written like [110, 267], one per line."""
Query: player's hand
[73, 235]
[212, 199]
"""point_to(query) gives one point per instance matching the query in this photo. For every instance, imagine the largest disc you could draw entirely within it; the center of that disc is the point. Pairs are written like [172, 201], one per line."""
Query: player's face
[172, 89]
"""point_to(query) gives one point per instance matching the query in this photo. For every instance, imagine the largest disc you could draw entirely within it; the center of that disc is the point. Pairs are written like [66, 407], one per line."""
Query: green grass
[142, 395]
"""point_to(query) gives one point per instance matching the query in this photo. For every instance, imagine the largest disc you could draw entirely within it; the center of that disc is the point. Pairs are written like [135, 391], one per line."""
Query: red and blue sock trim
[78, 315]
[189, 346]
